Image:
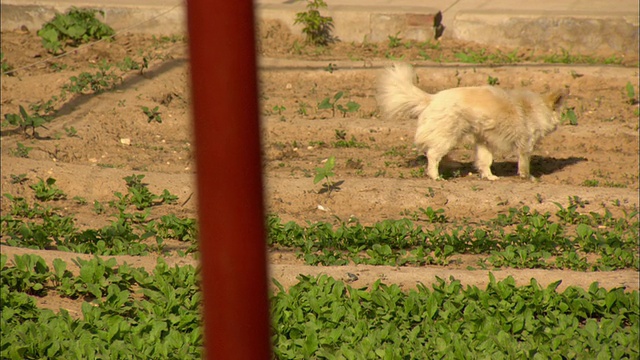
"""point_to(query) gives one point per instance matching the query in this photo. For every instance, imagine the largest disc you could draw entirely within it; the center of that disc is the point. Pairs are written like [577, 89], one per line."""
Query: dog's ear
[556, 98]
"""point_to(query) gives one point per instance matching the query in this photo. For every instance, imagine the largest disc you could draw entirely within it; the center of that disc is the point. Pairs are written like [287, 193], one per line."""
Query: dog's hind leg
[484, 159]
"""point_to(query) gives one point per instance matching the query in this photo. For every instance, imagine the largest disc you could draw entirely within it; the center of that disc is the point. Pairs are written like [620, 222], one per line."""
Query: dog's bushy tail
[397, 93]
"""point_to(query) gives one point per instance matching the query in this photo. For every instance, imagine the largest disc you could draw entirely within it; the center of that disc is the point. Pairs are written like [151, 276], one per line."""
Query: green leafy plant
[152, 114]
[57, 67]
[316, 319]
[19, 179]
[47, 190]
[102, 80]
[139, 195]
[29, 274]
[569, 116]
[631, 94]
[21, 150]
[71, 131]
[483, 56]
[26, 121]
[316, 27]
[395, 41]
[350, 107]
[331, 68]
[128, 64]
[5, 67]
[331, 103]
[303, 109]
[342, 142]
[74, 27]
[591, 183]
[326, 173]
[493, 81]
[279, 109]
[79, 200]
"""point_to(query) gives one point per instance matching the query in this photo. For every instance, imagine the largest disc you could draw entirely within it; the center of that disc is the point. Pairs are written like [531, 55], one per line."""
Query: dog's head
[555, 99]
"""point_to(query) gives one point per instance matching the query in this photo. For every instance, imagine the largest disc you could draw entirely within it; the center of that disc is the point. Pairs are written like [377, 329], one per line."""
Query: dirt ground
[380, 177]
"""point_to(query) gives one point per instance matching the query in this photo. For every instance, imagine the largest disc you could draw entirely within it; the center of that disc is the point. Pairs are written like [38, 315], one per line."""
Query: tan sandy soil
[382, 179]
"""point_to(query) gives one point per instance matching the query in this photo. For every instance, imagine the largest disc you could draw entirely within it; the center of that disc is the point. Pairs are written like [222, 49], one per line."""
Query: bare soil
[380, 178]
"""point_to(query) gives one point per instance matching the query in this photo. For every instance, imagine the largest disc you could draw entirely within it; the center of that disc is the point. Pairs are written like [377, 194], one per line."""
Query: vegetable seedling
[326, 173]
[153, 114]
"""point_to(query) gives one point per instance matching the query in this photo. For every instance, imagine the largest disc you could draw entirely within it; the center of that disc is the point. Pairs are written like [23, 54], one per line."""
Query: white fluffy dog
[497, 119]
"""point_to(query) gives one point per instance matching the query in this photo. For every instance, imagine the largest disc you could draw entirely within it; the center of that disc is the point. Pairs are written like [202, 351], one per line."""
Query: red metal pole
[231, 215]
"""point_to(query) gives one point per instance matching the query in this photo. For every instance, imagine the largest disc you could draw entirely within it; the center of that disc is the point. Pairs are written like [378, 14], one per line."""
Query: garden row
[521, 238]
[130, 313]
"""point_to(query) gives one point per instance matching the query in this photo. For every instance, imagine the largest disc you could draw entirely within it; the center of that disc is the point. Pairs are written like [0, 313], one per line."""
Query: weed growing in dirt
[342, 142]
[21, 151]
[331, 68]
[303, 109]
[395, 40]
[316, 28]
[152, 114]
[482, 57]
[74, 27]
[569, 116]
[19, 179]
[102, 80]
[493, 81]
[566, 58]
[71, 131]
[4, 66]
[25, 121]
[139, 195]
[128, 64]
[631, 94]
[279, 109]
[591, 183]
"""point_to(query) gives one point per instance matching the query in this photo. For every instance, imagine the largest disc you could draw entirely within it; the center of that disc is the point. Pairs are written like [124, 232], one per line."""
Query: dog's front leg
[524, 159]
[484, 159]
